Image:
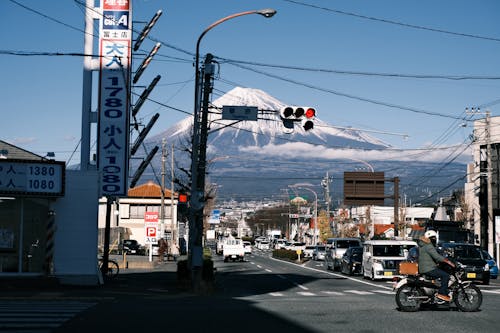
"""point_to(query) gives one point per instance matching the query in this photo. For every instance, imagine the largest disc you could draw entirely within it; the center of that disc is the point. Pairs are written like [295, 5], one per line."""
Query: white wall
[75, 252]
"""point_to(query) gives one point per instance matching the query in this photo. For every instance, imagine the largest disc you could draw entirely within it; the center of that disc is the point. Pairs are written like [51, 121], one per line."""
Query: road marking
[496, 291]
[38, 316]
[275, 294]
[268, 270]
[333, 274]
[306, 293]
[359, 292]
[336, 293]
[387, 292]
[259, 266]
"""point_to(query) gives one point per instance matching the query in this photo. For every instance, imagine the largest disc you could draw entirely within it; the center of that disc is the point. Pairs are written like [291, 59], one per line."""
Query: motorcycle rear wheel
[405, 298]
[468, 299]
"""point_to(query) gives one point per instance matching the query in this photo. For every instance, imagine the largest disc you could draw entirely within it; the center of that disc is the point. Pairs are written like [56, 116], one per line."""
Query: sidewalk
[136, 272]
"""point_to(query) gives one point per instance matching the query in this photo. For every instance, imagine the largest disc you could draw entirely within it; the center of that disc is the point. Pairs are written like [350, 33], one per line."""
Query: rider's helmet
[430, 233]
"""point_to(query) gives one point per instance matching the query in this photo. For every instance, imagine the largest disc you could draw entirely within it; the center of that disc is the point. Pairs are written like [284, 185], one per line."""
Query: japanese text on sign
[113, 132]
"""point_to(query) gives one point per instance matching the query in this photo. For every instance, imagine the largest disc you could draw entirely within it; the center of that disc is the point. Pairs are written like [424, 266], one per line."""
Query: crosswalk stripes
[38, 315]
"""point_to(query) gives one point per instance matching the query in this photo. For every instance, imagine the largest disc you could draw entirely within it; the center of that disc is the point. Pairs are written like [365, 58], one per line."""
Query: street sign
[32, 177]
[151, 232]
[151, 217]
[214, 217]
[239, 113]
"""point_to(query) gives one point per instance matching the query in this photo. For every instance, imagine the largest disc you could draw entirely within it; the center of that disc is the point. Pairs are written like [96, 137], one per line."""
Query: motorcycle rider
[428, 261]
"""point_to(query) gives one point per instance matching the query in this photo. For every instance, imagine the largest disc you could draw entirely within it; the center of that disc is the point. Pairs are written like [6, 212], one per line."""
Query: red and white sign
[151, 217]
[151, 233]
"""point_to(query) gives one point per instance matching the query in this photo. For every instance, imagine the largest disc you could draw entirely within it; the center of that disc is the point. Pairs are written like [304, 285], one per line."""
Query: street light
[197, 176]
[301, 187]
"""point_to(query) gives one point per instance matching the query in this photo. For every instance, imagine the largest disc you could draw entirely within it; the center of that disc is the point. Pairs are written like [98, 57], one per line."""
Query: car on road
[263, 245]
[352, 261]
[308, 251]
[247, 247]
[476, 267]
[492, 263]
[319, 252]
[335, 249]
[381, 258]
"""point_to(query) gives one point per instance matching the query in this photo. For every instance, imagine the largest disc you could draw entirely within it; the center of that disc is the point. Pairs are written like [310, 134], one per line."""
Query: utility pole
[489, 189]
[175, 237]
[198, 168]
[491, 240]
[396, 206]
[326, 185]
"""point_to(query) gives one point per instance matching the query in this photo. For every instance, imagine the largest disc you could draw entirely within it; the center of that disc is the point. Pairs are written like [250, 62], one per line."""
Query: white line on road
[359, 292]
[268, 270]
[334, 274]
[306, 293]
[336, 293]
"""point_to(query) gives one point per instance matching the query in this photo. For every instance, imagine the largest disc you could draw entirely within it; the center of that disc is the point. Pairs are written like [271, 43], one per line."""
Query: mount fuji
[253, 160]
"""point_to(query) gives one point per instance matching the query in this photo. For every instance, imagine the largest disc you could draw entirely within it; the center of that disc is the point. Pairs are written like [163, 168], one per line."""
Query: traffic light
[291, 114]
[182, 204]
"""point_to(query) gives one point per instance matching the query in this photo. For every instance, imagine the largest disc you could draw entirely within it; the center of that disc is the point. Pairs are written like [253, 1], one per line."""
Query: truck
[233, 250]
[450, 231]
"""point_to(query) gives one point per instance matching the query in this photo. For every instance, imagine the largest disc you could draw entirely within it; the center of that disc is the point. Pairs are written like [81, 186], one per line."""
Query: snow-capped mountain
[230, 137]
[250, 159]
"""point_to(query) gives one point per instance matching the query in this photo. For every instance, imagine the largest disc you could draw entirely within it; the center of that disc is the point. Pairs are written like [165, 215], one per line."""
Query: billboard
[115, 39]
[363, 188]
[32, 177]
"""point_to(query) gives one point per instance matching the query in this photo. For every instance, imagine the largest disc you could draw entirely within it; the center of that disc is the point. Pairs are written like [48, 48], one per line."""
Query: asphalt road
[259, 295]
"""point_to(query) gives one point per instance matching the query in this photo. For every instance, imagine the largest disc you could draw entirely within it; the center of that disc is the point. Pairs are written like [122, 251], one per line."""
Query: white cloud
[295, 149]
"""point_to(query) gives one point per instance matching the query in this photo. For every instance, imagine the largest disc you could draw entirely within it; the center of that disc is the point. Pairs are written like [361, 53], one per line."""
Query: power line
[494, 39]
[350, 96]
[375, 74]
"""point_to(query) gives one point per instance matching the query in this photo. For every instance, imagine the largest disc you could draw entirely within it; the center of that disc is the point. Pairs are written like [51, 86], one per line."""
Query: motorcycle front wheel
[468, 299]
[408, 298]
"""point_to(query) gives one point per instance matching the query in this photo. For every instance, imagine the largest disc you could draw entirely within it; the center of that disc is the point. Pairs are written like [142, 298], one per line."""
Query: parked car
[492, 263]
[280, 244]
[308, 251]
[319, 252]
[131, 246]
[247, 246]
[295, 246]
[476, 267]
[352, 261]
[335, 249]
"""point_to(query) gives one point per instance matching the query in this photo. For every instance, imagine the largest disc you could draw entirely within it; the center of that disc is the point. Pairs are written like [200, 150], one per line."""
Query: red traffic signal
[290, 114]
[310, 113]
[183, 198]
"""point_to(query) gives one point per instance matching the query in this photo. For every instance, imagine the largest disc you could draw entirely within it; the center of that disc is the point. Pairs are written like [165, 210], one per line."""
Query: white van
[335, 249]
[381, 258]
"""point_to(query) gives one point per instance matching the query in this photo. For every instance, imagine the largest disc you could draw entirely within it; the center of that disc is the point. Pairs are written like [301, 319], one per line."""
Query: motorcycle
[416, 291]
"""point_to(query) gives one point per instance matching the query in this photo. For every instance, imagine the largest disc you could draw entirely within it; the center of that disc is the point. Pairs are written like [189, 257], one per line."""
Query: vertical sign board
[115, 39]
[151, 228]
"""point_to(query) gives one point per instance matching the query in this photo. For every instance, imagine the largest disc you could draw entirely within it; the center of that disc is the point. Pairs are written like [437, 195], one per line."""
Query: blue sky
[339, 49]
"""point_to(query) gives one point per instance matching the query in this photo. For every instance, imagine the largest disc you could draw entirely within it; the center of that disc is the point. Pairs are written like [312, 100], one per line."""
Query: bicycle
[113, 268]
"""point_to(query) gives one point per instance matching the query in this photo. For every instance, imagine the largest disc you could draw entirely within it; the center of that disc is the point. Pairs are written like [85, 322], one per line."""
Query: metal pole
[197, 189]
[396, 206]
[491, 240]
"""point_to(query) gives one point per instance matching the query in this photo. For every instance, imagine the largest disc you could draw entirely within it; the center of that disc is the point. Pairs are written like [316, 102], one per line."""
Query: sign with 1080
[32, 178]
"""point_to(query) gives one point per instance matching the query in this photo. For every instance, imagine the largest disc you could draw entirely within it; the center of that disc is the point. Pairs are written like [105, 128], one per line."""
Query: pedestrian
[162, 248]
